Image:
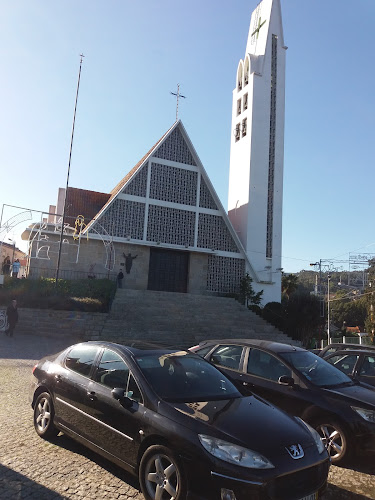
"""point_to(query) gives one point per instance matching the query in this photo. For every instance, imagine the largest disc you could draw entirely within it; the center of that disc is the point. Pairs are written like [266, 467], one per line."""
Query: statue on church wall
[129, 261]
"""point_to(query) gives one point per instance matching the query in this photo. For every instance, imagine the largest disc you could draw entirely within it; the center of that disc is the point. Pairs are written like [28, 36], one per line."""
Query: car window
[133, 391]
[368, 366]
[203, 351]
[331, 350]
[112, 370]
[228, 356]
[262, 364]
[81, 358]
[183, 377]
[316, 369]
[344, 362]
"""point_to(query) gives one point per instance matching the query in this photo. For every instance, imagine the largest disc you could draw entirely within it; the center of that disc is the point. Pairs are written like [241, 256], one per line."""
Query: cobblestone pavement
[32, 468]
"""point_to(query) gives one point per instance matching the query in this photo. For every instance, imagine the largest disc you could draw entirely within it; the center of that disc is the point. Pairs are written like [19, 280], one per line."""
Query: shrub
[44, 293]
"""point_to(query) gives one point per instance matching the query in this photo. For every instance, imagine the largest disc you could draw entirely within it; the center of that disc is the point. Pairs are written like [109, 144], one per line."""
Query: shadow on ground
[69, 444]
[334, 493]
[364, 464]
[14, 486]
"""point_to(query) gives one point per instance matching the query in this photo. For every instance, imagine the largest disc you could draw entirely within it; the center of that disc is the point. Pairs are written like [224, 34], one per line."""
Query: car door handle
[58, 378]
[91, 395]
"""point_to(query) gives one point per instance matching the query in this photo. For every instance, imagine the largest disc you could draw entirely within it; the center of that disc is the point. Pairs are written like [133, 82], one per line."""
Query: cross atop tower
[178, 95]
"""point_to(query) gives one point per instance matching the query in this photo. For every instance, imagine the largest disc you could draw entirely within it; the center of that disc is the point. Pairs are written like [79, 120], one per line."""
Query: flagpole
[67, 177]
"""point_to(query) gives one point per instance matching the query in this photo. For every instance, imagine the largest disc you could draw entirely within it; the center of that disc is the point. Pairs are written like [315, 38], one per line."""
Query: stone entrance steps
[182, 320]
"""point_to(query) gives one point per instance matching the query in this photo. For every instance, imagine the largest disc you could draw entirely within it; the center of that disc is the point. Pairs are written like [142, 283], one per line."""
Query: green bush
[43, 293]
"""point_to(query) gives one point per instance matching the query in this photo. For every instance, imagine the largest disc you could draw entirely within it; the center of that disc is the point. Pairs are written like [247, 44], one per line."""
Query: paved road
[32, 468]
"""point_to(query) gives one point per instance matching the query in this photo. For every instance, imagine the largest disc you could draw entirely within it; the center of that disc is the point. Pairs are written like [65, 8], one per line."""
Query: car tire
[160, 469]
[336, 439]
[43, 416]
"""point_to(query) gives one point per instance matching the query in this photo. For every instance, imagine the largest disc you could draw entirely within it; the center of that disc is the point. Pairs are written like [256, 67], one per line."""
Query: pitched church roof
[168, 199]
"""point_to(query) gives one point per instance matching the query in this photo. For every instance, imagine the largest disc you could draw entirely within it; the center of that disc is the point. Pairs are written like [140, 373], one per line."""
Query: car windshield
[316, 369]
[184, 377]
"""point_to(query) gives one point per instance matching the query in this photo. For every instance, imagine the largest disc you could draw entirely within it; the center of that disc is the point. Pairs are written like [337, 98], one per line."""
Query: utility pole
[328, 314]
[321, 299]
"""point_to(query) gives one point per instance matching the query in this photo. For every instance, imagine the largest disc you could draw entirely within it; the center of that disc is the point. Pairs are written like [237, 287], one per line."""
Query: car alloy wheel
[43, 416]
[160, 475]
[334, 439]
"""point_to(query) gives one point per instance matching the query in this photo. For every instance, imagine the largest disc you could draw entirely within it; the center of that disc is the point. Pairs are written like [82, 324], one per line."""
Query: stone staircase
[182, 320]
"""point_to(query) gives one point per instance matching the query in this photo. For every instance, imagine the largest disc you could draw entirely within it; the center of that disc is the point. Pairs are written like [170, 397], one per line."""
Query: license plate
[313, 496]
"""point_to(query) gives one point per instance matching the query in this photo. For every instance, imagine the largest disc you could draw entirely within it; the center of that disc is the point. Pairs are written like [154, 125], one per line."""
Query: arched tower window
[240, 76]
[246, 71]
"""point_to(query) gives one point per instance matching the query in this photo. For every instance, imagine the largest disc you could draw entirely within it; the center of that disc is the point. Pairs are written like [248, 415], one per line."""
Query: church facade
[164, 225]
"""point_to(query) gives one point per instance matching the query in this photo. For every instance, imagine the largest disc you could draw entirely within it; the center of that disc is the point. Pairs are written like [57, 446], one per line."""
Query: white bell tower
[257, 148]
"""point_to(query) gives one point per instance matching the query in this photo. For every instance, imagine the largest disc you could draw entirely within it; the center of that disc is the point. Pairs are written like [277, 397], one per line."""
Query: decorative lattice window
[138, 185]
[214, 234]
[244, 127]
[245, 101]
[224, 274]
[170, 225]
[247, 68]
[205, 199]
[124, 219]
[174, 148]
[238, 107]
[237, 132]
[271, 161]
[173, 184]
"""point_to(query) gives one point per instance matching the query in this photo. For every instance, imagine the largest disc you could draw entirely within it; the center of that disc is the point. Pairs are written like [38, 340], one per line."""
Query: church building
[163, 223]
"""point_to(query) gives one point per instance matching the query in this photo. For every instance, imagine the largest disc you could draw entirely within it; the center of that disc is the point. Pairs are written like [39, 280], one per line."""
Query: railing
[348, 340]
[68, 274]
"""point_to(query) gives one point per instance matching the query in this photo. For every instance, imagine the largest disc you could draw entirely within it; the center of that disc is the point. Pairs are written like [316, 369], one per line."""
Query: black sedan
[303, 384]
[177, 422]
[332, 348]
[358, 364]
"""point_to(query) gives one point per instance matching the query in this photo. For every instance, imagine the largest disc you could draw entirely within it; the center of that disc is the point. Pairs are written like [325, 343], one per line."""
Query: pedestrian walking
[120, 277]
[12, 314]
[15, 268]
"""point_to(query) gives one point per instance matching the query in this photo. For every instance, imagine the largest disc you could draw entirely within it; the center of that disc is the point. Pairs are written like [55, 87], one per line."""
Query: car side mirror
[120, 395]
[286, 380]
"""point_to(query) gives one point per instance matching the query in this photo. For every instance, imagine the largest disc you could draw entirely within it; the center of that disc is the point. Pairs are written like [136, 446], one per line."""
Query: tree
[289, 284]
[350, 312]
[302, 317]
[247, 295]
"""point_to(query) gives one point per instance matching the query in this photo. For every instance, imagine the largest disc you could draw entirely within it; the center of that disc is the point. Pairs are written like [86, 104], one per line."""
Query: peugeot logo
[295, 451]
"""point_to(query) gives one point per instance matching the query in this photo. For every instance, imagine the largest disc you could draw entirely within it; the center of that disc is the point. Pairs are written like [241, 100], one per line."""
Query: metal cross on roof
[178, 95]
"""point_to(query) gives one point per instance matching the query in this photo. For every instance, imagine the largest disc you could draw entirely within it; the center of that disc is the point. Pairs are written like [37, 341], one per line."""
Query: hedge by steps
[91, 295]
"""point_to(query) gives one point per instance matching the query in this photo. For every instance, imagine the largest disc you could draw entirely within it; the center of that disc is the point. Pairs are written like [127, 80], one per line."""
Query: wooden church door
[168, 270]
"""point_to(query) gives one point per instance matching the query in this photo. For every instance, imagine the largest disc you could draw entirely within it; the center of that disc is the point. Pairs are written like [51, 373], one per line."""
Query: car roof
[137, 347]
[351, 351]
[264, 344]
[349, 346]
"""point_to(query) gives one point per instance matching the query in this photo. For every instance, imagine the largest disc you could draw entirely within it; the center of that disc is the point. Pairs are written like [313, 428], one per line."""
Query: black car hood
[357, 393]
[247, 420]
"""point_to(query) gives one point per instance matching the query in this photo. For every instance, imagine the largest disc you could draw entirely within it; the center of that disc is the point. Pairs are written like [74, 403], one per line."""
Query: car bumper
[32, 388]
[291, 486]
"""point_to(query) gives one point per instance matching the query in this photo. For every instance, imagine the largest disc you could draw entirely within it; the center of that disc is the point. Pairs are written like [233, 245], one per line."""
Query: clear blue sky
[136, 53]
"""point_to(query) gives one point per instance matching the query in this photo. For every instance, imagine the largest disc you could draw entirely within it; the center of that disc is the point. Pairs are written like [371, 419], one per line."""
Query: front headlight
[368, 415]
[234, 454]
[318, 440]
